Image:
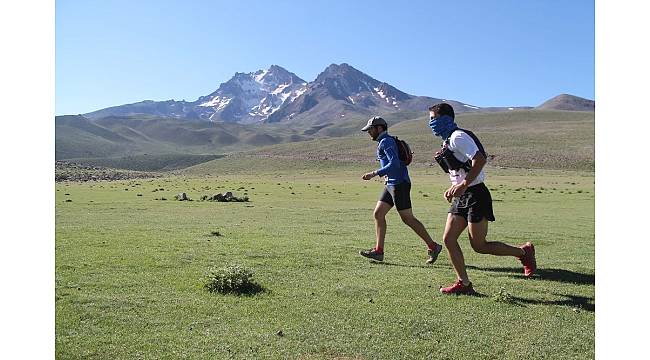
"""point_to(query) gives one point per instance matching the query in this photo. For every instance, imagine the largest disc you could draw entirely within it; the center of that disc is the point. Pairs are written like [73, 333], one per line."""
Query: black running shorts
[398, 195]
[474, 205]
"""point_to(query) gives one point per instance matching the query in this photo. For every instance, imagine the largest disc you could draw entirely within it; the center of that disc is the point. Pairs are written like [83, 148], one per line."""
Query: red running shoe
[528, 260]
[458, 288]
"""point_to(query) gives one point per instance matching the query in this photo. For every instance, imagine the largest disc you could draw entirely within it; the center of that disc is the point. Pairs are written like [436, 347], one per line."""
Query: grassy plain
[129, 268]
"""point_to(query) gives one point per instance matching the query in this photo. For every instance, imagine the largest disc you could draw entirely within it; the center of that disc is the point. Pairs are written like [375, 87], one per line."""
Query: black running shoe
[433, 254]
[372, 254]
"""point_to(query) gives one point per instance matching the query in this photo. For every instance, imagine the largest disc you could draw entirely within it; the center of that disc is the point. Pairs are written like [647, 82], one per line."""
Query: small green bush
[233, 279]
[503, 296]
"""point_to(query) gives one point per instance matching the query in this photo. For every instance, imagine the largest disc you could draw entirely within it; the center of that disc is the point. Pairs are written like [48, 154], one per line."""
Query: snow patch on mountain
[388, 99]
[280, 89]
[259, 75]
[299, 91]
[217, 102]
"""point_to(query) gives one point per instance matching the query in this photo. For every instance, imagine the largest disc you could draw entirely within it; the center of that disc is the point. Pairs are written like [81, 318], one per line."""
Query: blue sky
[485, 53]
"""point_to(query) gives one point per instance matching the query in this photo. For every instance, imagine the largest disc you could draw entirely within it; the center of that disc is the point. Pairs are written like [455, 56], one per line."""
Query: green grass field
[129, 268]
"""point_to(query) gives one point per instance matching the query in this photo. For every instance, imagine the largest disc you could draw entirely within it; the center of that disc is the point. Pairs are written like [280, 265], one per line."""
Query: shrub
[234, 279]
[503, 296]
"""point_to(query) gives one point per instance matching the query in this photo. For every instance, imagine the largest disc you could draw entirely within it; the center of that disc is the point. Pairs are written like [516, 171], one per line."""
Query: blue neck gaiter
[443, 126]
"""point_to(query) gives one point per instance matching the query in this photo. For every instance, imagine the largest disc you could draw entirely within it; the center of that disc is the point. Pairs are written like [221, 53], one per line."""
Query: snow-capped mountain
[277, 95]
[251, 97]
[245, 98]
[341, 90]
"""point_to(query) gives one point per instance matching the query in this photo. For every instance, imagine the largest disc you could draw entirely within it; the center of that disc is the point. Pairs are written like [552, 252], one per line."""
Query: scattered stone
[225, 197]
[182, 197]
[279, 333]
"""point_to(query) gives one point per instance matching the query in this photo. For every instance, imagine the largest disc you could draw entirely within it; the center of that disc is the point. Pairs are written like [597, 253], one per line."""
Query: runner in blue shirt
[396, 193]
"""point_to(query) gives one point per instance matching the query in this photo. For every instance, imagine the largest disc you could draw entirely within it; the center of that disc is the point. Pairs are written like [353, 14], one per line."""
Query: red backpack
[404, 150]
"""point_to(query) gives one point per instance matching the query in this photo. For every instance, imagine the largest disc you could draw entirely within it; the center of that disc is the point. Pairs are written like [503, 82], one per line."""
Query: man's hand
[447, 196]
[369, 175]
[455, 191]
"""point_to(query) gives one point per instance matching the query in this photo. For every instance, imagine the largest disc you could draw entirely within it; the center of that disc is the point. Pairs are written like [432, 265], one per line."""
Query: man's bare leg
[409, 219]
[478, 233]
[454, 227]
[381, 209]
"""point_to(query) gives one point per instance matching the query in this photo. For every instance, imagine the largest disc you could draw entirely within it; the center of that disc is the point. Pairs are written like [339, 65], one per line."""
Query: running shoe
[433, 254]
[458, 288]
[528, 260]
[372, 254]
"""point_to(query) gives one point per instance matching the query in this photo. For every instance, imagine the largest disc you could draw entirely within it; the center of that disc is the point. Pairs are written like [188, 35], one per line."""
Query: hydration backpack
[446, 159]
[404, 151]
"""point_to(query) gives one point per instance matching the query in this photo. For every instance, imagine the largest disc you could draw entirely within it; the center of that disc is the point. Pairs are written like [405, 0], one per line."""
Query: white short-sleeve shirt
[464, 148]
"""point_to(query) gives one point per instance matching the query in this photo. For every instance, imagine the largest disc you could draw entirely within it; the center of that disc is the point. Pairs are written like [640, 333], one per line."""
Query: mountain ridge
[278, 95]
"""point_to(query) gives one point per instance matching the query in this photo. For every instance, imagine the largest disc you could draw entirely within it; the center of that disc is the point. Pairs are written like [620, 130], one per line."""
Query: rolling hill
[569, 103]
[536, 139]
[520, 138]
[78, 137]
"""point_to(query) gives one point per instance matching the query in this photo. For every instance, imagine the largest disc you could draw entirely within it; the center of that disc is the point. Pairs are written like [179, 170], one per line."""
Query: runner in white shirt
[463, 157]
[464, 149]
